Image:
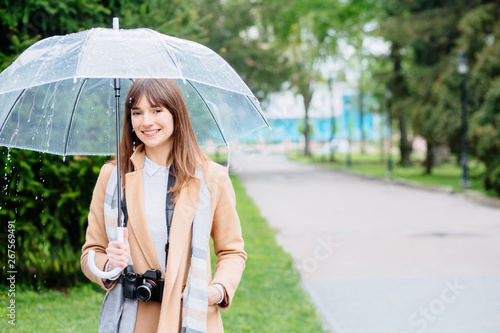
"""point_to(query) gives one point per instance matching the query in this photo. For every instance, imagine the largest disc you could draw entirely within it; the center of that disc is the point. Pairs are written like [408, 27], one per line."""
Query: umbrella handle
[104, 275]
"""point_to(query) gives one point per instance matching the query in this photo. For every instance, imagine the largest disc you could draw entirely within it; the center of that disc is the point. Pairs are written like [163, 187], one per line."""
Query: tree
[235, 31]
[426, 32]
[182, 19]
[23, 22]
[308, 32]
[480, 35]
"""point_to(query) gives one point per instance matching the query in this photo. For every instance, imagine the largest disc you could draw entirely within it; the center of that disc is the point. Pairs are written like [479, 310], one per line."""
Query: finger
[125, 235]
[113, 263]
[116, 245]
[118, 259]
[125, 240]
[115, 251]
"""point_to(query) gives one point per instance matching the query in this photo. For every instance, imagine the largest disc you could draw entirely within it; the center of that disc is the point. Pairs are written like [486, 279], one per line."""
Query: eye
[157, 110]
[136, 113]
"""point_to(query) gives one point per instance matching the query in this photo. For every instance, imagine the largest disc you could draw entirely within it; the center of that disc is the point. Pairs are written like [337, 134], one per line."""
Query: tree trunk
[361, 118]
[405, 145]
[400, 91]
[430, 157]
[307, 102]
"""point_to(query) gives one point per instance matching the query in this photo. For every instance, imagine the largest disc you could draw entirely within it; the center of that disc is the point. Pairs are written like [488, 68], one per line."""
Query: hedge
[46, 199]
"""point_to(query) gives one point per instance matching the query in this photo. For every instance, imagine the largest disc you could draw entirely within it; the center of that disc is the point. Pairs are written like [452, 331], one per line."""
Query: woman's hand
[118, 252]
[214, 295]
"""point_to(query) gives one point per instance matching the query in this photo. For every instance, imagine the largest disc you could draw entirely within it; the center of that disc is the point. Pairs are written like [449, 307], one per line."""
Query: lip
[150, 133]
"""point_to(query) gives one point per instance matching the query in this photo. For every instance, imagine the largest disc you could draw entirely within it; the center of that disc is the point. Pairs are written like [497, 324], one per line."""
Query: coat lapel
[182, 220]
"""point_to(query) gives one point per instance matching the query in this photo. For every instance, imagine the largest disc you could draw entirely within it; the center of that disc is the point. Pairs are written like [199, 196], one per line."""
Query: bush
[48, 199]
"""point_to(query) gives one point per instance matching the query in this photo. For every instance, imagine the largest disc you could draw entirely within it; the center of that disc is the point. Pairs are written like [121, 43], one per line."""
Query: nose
[148, 119]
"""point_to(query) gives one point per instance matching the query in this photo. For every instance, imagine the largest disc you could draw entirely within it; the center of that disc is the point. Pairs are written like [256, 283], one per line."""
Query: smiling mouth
[150, 132]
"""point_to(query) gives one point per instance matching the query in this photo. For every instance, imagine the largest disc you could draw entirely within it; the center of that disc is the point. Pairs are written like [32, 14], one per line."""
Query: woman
[157, 146]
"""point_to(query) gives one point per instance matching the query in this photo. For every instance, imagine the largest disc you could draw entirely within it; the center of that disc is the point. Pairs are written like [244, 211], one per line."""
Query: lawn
[269, 299]
[75, 310]
[447, 174]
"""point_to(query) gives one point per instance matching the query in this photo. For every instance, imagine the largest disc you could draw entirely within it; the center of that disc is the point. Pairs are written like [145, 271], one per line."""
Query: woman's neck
[159, 156]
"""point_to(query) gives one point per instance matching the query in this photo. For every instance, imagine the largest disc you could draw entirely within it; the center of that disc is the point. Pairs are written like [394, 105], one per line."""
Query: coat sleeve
[228, 242]
[96, 238]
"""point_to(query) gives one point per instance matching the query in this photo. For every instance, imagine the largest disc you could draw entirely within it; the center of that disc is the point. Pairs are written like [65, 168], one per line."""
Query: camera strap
[124, 210]
[169, 208]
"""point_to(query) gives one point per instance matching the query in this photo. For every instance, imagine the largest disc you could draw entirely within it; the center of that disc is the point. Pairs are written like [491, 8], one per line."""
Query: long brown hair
[186, 155]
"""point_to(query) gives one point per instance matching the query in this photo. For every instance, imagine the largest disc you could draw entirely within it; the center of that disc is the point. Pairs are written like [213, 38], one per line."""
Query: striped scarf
[118, 314]
[194, 310]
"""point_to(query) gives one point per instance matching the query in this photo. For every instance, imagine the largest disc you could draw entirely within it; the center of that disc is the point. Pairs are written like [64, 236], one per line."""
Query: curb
[482, 199]
[427, 187]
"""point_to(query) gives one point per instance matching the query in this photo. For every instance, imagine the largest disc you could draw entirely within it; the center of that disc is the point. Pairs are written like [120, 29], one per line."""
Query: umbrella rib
[11, 109]
[256, 108]
[73, 116]
[211, 113]
[80, 54]
[174, 59]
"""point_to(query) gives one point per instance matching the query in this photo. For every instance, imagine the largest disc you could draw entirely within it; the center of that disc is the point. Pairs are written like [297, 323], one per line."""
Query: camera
[147, 287]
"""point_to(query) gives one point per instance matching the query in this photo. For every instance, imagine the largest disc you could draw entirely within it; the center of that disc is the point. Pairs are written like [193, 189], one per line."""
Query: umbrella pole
[119, 232]
[118, 158]
[116, 26]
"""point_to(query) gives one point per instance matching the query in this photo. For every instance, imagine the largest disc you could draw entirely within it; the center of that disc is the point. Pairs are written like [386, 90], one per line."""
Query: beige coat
[225, 232]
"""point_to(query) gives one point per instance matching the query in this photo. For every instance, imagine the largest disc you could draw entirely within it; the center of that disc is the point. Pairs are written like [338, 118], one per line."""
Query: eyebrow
[151, 107]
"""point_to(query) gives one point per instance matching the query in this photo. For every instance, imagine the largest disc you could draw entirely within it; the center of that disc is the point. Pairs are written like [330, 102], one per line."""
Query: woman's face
[153, 125]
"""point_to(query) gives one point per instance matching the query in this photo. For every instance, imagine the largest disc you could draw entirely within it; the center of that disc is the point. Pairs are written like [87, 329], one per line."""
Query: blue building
[347, 122]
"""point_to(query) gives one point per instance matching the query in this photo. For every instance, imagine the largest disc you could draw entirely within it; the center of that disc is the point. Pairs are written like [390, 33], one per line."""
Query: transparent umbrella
[58, 96]
[61, 95]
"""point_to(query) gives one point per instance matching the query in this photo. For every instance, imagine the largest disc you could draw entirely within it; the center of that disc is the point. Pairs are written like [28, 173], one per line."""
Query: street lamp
[462, 69]
[388, 98]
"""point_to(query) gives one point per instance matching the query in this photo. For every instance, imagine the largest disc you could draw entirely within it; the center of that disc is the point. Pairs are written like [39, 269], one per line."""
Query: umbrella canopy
[58, 96]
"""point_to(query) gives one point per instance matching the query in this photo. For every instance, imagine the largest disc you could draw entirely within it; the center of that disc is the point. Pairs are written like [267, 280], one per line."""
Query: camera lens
[146, 291]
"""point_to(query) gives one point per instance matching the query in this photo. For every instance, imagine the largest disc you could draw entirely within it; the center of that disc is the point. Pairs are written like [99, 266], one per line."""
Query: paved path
[379, 257]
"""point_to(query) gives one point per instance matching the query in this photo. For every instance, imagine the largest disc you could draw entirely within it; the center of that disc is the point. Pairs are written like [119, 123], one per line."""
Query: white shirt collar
[152, 168]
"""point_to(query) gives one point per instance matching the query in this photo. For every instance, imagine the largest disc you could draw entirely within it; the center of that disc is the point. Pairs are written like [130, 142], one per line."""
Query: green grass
[269, 299]
[76, 310]
[446, 174]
